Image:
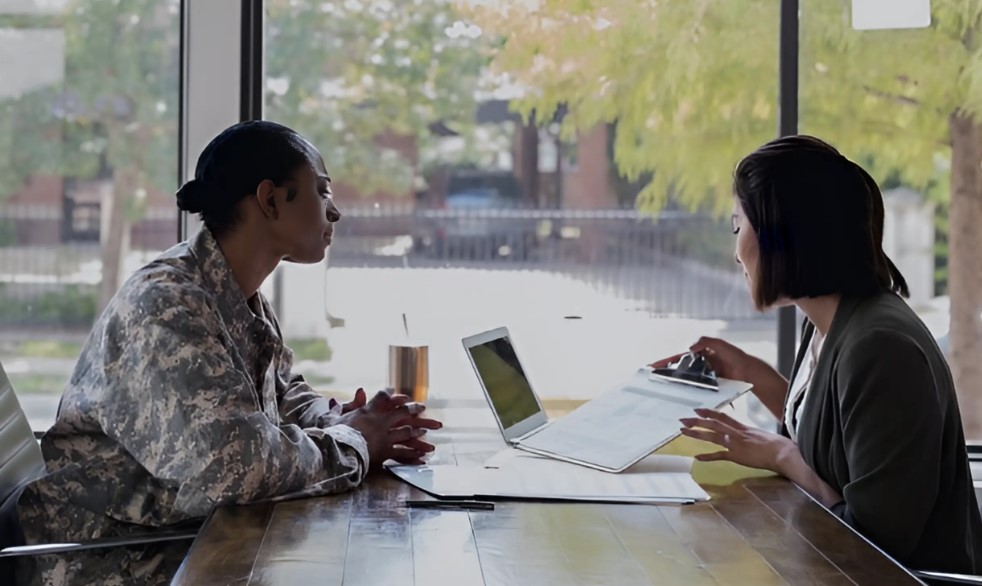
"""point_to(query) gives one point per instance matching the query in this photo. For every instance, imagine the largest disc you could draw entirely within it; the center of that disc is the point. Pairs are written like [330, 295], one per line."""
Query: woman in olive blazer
[871, 427]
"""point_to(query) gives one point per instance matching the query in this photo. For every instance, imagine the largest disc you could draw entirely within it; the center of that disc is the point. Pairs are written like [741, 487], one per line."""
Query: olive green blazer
[881, 425]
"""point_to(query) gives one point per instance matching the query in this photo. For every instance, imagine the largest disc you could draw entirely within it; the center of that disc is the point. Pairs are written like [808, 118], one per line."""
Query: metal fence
[675, 264]
[50, 274]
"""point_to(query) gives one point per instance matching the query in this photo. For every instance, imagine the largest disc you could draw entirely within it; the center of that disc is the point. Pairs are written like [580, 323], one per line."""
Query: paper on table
[547, 479]
[657, 475]
[651, 464]
[627, 423]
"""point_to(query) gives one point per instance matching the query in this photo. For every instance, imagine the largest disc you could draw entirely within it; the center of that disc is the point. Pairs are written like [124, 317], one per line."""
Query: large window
[901, 102]
[562, 170]
[465, 215]
[88, 167]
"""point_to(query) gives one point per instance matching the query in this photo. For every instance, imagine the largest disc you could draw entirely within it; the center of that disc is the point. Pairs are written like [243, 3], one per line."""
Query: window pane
[88, 166]
[890, 100]
[465, 217]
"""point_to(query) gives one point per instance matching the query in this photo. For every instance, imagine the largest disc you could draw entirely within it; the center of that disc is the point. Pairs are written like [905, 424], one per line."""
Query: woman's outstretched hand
[744, 445]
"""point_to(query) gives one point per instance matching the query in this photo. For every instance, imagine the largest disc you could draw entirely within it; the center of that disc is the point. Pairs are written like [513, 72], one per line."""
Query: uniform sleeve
[300, 404]
[176, 402]
[891, 424]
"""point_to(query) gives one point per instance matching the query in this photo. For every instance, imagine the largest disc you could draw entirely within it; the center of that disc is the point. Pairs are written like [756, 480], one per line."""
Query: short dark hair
[819, 222]
[235, 162]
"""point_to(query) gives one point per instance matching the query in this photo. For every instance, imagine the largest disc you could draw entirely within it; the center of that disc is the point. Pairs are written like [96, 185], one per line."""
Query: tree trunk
[558, 196]
[529, 162]
[965, 269]
[116, 237]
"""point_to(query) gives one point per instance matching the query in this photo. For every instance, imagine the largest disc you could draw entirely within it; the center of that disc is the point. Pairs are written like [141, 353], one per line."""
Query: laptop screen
[508, 388]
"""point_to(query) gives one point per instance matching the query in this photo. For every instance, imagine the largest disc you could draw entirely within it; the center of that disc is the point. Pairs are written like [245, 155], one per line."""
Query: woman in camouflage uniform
[184, 397]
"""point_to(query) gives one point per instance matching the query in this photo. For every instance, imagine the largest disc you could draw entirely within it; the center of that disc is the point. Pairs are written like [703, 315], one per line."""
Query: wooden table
[757, 530]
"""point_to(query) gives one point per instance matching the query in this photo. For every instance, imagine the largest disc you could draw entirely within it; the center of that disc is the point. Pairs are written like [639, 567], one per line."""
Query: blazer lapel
[819, 420]
[807, 330]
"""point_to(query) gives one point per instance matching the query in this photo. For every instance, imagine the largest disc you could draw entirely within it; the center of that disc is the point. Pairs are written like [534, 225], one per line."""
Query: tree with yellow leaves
[692, 87]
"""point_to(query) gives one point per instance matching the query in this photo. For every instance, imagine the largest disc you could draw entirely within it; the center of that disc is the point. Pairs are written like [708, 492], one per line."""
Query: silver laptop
[609, 433]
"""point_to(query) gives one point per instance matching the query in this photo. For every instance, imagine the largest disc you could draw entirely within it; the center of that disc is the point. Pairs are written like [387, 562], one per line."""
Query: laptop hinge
[530, 433]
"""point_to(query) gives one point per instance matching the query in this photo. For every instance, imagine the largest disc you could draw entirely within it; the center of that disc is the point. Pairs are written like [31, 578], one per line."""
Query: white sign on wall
[890, 14]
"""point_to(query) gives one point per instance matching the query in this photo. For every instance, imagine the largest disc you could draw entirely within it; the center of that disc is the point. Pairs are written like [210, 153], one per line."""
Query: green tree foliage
[112, 116]
[344, 73]
[349, 73]
[116, 106]
[692, 87]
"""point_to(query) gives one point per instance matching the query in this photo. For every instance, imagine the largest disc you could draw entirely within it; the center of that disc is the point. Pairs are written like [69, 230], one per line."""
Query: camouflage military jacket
[183, 399]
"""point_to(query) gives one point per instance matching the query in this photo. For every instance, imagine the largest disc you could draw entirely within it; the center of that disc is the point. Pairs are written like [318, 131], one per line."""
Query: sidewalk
[575, 340]
[606, 341]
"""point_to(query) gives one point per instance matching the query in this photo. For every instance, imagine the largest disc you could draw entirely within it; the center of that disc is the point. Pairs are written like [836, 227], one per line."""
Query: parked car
[467, 221]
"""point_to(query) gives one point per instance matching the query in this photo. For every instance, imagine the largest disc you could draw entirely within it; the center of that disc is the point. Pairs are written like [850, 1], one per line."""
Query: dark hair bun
[192, 197]
[235, 162]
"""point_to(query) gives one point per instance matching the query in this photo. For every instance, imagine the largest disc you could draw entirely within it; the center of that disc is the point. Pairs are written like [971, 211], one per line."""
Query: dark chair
[943, 579]
[20, 464]
[20, 459]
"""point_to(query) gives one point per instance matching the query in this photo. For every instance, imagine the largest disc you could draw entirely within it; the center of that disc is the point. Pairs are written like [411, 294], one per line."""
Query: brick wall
[588, 185]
